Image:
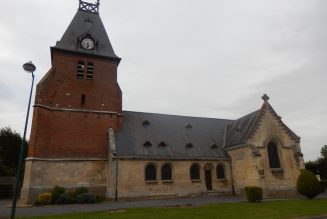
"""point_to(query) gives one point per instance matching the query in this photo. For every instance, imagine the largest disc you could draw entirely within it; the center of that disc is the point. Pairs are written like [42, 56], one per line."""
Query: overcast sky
[208, 58]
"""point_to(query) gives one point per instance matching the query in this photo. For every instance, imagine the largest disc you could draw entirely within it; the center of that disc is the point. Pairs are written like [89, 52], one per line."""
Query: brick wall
[64, 127]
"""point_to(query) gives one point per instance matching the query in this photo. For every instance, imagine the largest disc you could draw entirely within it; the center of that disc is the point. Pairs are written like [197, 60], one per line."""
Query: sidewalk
[106, 206]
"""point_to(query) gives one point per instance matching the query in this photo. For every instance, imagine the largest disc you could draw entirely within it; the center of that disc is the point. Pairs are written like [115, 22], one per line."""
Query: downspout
[114, 171]
[116, 186]
[231, 162]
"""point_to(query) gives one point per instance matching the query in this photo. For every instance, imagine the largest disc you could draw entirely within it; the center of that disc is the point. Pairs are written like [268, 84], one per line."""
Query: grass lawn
[268, 209]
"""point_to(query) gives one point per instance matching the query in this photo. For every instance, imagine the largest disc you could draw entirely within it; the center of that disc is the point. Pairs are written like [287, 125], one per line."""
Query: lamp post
[30, 68]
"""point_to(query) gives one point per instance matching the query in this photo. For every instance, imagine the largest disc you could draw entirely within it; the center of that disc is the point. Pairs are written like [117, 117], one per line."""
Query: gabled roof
[83, 23]
[244, 128]
[238, 130]
[177, 132]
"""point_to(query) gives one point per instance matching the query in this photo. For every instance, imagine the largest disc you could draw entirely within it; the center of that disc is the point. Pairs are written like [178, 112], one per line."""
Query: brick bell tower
[76, 102]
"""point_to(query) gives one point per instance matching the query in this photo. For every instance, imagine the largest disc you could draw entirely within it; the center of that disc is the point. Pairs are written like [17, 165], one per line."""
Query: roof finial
[89, 7]
[265, 97]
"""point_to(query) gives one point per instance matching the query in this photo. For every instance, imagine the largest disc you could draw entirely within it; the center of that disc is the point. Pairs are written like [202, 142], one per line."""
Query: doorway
[208, 180]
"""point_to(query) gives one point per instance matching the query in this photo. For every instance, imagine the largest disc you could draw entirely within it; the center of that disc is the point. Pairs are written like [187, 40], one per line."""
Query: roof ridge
[164, 114]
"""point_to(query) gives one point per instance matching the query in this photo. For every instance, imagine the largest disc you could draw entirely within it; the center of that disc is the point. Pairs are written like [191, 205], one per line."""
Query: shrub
[57, 191]
[86, 198]
[44, 199]
[81, 190]
[307, 184]
[66, 198]
[99, 199]
[253, 193]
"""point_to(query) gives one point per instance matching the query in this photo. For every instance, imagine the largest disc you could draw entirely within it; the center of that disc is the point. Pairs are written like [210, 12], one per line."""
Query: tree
[323, 152]
[319, 166]
[10, 142]
[313, 166]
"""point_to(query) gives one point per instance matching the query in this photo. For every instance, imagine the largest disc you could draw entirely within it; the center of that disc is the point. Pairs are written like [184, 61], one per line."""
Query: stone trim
[167, 181]
[151, 181]
[196, 180]
[170, 158]
[76, 110]
[65, 159]
[238, 147]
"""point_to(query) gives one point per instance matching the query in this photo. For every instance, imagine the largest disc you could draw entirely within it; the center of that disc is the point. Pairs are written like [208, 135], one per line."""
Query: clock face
[87, 43]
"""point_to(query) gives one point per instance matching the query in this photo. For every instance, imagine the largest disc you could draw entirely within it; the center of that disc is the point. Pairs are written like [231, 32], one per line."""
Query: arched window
[195, 171]
[220, 171]
[166, 172]
[273, 155]
[150, 172]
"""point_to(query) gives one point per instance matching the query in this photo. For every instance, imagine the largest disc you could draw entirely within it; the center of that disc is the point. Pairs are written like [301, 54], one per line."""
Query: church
[81, 137]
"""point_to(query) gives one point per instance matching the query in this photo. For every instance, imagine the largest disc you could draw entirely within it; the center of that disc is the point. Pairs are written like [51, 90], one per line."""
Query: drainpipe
[232, 178]
[116, 186]
[231, 165]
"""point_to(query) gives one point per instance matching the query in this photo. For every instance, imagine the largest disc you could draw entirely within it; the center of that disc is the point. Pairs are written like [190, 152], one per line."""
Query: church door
[208, 179]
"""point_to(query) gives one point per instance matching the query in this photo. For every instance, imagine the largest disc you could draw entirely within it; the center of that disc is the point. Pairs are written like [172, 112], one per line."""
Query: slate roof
[238, 130]
[245, 127]
[185, 137]
[86, 23]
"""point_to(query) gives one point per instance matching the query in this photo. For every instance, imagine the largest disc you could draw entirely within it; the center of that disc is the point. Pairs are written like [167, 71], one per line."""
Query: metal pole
[21, 157]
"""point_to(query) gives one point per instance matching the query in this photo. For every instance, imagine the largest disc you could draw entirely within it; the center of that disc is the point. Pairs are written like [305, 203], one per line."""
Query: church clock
[87, 43]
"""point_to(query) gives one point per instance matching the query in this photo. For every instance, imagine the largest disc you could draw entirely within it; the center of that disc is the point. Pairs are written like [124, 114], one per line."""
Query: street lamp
[30, 68]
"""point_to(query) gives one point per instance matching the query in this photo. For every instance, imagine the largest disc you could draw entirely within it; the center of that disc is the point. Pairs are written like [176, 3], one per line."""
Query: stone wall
[132, 184]
[251, 163]
[41, 176]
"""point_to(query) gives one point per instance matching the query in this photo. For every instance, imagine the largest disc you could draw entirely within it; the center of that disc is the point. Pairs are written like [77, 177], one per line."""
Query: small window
[150, 172]
[83, 99]
[146, 123]
[214, 146]
[273, 155]
[220, 171]
[147, 144]
[89, 71]
[166, 172]
[195, 172]
[189, 145]
[80, 70]
[162, 144]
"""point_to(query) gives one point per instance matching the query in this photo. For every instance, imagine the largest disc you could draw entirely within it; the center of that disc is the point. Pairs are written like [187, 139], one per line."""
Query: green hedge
[253, 193]
[57, 191]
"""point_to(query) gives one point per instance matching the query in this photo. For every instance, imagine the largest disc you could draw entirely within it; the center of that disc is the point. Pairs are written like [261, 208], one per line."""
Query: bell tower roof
[86, 33]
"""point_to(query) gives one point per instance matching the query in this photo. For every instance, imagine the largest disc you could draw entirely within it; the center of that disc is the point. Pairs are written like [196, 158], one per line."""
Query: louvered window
[89, 71]
[80, 70]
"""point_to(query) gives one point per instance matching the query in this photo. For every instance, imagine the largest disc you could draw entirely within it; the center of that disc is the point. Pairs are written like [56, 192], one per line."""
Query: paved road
[105, 206]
